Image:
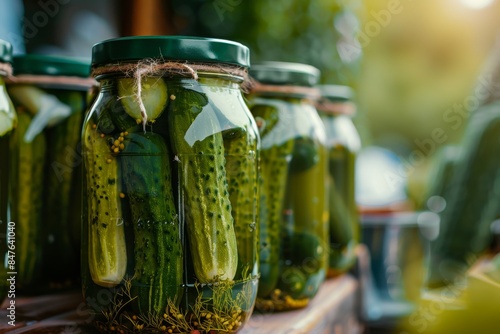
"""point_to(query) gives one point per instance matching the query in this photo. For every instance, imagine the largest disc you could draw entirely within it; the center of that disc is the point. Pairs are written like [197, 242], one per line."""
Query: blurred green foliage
[413, 64]
[315, 32]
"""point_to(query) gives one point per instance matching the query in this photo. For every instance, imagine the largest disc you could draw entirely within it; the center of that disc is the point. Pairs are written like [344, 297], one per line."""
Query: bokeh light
[477, 4]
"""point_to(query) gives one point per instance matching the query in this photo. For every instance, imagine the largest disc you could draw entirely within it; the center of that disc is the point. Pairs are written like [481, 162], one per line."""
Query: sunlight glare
[477, 4]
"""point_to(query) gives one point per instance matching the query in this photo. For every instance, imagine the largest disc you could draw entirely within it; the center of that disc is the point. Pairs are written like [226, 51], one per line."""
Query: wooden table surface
[333, 310]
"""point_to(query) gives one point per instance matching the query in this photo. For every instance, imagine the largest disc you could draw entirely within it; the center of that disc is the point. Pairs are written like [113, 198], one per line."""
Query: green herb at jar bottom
[278, 301]
[222, 308]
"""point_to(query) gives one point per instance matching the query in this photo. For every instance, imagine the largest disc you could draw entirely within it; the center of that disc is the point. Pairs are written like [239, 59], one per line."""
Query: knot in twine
[150, 67]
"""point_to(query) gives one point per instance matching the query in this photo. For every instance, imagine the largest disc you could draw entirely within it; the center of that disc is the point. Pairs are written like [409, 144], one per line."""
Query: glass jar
[8, 122]
[170, 187]
[49, 94]
[336, 109]
[293, 202]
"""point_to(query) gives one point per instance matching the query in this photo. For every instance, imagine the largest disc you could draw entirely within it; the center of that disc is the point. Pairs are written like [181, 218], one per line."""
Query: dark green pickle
[343, 143]
[293, 205]
[170, 214]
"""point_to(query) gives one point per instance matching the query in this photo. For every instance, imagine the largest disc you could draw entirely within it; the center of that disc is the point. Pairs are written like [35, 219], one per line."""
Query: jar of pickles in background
[293, 192]
[49, 94]
[170, 194]
[336, 109]
[8, 123]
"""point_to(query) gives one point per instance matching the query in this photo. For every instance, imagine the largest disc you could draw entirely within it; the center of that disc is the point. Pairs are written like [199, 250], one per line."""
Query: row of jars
[42, 104]
[199, 202]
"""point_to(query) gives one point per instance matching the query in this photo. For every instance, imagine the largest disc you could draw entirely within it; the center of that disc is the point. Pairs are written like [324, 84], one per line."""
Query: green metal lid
[51, 65]
[5, 51]
[281, 73]
[336, 92]
[176, 48]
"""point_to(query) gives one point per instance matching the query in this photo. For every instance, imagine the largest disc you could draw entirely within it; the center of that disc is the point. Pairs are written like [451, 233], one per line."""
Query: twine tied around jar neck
[52, 80]
[158, 67]
[336, 108]
[306, 92]
[6, 69]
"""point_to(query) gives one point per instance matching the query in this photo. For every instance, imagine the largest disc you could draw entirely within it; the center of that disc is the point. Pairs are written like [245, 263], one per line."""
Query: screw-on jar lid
[5, 51]
[51, 65]
[281, 73]
[336, 92]
[173, 48]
